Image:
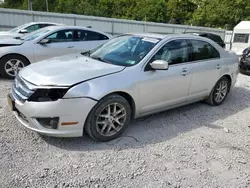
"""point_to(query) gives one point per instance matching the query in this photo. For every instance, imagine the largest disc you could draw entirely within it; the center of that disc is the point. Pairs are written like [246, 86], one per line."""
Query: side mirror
[23, 31]
[159, 65]
[44, 41]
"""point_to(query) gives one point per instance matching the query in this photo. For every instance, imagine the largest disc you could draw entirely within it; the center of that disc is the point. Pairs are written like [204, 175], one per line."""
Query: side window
[174, 52]
[61, 36]
[33, 28]
[44, 25]
[84, 35]
[203, 50]
[241, 38]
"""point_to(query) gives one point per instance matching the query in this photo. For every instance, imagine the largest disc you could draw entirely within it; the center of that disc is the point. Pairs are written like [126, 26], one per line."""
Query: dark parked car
[245, 62]
[214, 37]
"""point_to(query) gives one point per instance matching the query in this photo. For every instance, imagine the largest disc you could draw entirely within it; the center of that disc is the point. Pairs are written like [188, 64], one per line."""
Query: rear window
[215, 38]
[85, 35]
[241, 38]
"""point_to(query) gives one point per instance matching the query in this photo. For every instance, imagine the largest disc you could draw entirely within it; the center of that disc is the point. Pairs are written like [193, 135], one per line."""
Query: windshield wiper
[100, 59]
[87, 53]
[19, 38]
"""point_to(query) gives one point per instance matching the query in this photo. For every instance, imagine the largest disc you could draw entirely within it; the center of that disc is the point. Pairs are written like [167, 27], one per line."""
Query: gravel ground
[193, 146]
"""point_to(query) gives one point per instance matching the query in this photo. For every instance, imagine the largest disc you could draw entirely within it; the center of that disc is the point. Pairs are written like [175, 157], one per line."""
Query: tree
[180, 12]
[221, 13]
[210, 13]
[12, 3]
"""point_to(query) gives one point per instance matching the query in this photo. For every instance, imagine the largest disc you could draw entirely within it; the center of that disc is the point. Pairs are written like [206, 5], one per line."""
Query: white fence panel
[10, 18]
[228, 39]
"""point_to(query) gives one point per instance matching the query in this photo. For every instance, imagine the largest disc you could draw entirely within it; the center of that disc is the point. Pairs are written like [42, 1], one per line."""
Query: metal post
[75, 20]
[28, 4]
[112, 29]
[47, 5]
[31, 5]
[145, 22]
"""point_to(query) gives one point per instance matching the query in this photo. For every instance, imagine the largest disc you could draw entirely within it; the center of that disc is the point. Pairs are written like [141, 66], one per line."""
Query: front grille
[20, 89]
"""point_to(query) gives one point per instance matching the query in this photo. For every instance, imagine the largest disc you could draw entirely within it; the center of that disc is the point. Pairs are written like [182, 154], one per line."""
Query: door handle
[70, 47]
[218, 66]
[184, 72]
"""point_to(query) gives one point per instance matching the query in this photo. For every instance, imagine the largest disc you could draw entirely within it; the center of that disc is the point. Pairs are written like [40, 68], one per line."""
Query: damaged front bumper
[34, 115]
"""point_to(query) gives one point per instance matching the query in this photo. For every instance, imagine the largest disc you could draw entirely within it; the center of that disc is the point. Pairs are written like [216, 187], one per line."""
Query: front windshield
[16, 29]
[35, 34]
[126, 50]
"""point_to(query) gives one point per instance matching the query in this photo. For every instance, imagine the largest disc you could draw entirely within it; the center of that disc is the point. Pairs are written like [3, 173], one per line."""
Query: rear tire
[10, 65]
[109, 118]
[219, 92]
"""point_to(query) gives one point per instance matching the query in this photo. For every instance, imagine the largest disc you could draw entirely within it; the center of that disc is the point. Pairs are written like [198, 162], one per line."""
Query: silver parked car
[25, 29]
[130, 76]
[46, 43]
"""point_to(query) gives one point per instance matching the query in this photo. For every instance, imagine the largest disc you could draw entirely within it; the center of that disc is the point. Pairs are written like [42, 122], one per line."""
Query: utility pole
[47, 5]
[29, 4]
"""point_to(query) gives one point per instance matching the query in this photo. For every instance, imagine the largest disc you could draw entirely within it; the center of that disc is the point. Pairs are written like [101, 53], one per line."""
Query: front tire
[219, 92]
[109, 118]
[10, 65]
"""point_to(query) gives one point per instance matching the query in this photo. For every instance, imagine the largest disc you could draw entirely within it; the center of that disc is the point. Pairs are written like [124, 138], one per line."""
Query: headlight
[43, 95]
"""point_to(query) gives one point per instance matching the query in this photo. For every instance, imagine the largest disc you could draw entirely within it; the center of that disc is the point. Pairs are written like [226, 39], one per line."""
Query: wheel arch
[229, 79]
[128, 97]
[17, 54]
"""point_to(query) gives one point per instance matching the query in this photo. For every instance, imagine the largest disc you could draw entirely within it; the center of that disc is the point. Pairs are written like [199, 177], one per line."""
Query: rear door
[86, 40]
[206, 68]
[60, 43]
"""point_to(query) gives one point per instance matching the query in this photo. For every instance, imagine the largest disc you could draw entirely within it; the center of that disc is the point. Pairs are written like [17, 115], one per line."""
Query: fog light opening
[50, 123]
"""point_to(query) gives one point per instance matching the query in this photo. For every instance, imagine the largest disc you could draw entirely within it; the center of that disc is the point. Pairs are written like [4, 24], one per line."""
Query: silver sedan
[46, 43]
[130, 76]
[24, 29]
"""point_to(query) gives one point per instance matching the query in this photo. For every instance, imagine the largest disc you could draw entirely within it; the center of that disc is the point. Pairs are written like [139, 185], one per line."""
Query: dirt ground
[192, 146]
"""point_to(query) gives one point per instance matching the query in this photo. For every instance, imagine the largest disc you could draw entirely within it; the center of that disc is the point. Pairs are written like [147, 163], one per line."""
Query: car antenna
[186, 29]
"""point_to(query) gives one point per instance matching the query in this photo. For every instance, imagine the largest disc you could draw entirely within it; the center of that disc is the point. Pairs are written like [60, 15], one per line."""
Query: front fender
[100, 87]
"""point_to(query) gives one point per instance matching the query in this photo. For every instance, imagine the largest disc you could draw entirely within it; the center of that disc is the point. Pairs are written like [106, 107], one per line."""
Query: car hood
[9, 42]
[66, 70]
[7, 35]
[4, 33]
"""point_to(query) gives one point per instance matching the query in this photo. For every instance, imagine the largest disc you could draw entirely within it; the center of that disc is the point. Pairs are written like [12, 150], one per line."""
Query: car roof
[58, 27]
[46, 23]
[167, 36]
[152, 35]
[203, 33]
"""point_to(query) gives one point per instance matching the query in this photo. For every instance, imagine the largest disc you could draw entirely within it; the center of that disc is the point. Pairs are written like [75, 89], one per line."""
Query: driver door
[60, 43]
[161, 89]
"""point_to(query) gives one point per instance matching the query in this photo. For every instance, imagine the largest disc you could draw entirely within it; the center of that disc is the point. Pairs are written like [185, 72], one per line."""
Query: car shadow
[2, 78]
[163, 126]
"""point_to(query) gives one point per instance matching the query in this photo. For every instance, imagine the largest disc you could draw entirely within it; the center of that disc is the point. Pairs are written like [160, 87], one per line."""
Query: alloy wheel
[111, 119]
[13, 66]
[221, 91]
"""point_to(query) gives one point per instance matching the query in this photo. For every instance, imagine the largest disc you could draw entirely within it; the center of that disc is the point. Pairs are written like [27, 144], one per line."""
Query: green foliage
[209, 13]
